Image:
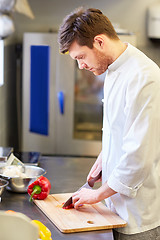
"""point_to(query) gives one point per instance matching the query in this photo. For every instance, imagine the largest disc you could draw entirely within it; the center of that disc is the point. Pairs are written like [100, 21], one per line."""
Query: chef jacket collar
[116, 65]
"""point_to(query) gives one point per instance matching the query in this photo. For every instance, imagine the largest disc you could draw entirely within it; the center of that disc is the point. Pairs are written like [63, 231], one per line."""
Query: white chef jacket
[131, 140]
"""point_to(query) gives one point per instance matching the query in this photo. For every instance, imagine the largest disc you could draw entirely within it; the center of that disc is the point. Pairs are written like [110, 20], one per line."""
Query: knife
[88, 184]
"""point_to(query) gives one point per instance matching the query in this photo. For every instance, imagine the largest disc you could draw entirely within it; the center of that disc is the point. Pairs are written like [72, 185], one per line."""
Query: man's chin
[97, 73]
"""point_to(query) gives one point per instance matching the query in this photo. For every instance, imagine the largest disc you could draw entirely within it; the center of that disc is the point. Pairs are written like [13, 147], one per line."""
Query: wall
[128, 14]
[131, 15]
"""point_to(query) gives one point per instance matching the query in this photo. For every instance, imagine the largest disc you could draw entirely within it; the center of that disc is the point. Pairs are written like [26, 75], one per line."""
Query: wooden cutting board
[86, 218]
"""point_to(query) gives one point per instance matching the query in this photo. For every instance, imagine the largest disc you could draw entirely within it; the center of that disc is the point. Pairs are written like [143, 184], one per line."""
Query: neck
[122, 48]
[115, 49]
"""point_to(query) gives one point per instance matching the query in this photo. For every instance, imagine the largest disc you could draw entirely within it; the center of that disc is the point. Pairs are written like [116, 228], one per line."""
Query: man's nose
[81, 64]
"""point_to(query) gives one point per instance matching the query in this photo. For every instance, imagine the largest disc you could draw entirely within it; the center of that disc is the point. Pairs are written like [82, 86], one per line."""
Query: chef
[130, 156]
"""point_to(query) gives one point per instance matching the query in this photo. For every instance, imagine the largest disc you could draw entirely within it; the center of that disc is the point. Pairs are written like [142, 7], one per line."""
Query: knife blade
[88, 184]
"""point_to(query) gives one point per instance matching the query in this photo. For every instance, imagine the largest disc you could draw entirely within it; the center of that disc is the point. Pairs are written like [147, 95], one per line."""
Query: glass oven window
[88, 105]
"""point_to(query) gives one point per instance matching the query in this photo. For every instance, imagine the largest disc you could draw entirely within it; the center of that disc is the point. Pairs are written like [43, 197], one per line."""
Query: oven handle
[61, 101]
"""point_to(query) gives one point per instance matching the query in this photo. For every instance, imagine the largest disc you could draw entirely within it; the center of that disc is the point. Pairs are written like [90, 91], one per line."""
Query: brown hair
[83, 25]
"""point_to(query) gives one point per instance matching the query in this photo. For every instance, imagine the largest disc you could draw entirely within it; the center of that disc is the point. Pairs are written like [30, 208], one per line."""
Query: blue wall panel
[39, 89]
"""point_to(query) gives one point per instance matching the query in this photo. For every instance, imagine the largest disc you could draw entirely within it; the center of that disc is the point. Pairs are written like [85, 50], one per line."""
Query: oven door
[62, 105]
[79, 118]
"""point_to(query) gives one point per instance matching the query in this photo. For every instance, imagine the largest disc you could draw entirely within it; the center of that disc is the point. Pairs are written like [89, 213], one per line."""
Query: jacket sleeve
[141, 136]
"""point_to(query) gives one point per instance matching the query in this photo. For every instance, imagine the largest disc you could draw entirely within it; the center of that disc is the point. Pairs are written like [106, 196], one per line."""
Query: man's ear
[99, 41]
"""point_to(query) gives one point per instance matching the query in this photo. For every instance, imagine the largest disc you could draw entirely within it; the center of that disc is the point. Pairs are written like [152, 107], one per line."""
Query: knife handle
[92, 181]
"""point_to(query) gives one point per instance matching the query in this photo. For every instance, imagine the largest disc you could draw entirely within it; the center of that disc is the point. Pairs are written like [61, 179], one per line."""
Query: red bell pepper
[39, 189]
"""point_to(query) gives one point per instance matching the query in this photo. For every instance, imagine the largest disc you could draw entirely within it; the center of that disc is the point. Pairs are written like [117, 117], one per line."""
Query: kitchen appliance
[86, 218]
[53, 121]
[154, 21]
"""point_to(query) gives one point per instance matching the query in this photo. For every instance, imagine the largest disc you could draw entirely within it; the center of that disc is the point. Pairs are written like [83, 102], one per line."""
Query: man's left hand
[84, 196]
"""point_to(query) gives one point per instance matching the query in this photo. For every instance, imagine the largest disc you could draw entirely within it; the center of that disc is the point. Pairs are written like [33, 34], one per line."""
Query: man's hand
[89, 196]
[84, 196]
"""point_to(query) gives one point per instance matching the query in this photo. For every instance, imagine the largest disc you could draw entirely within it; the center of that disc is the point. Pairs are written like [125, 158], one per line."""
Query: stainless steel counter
[66, 174]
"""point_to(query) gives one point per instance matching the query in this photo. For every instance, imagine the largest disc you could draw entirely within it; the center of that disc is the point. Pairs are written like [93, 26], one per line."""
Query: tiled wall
[8, 115]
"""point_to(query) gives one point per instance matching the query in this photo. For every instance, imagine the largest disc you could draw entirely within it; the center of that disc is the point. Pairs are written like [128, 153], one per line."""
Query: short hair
[83, 25]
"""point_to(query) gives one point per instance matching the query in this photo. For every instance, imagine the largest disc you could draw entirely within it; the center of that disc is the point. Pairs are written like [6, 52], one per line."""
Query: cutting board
[86, 218]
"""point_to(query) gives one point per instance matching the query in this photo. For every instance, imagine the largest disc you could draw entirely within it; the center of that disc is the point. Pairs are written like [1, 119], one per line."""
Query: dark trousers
[153, 234]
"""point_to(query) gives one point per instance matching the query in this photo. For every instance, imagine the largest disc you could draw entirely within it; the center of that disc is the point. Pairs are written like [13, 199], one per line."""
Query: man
[130, 154]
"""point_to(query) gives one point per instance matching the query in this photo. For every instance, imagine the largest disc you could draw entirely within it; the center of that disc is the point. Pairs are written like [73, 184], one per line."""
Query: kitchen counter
[66, 174]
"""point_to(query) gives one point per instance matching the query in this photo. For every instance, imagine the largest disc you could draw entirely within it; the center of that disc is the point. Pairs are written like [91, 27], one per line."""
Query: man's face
[93, 59]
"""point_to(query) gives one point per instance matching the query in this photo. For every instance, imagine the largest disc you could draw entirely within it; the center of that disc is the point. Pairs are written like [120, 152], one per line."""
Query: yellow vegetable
[43, 236]
[44, 232]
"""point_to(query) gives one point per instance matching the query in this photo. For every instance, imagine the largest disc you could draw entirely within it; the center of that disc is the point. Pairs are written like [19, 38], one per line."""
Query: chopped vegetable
[39, 189]
[69, 206]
